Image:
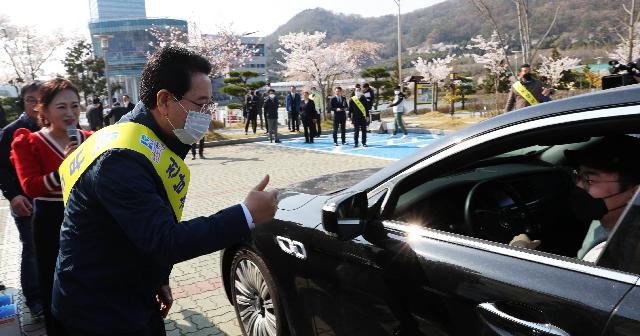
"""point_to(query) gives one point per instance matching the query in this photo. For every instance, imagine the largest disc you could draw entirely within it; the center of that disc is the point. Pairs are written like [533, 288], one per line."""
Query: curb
[218, 143]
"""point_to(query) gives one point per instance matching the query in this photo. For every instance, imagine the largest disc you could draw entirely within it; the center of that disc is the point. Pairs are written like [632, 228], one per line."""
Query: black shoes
[335, 144]
[364, 145]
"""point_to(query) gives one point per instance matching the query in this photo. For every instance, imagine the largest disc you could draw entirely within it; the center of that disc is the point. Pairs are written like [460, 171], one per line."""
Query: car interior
[518, 184]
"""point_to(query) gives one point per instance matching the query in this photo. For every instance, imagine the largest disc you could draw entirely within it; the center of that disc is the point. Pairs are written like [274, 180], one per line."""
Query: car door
[622, 253]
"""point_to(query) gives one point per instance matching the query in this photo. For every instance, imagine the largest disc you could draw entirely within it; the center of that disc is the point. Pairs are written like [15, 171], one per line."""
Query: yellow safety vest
[356, 100]
[171, 169]
[526, 94]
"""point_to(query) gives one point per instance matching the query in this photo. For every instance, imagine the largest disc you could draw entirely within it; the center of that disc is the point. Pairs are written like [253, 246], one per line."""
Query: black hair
[525, 66]
[339, 88]
[126, 96]
[365, 85]
[35, 86]
[272, 90]
[170, 68]
[397, 87]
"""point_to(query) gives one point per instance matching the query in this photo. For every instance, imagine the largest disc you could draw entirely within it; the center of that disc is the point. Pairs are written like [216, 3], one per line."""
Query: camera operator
[630, 76]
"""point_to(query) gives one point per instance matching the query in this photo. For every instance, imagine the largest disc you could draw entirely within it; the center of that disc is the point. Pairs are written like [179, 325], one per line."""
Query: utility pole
[399, 47]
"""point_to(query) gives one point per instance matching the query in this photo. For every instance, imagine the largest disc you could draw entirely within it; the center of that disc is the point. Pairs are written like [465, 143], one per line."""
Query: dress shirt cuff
[247, 216]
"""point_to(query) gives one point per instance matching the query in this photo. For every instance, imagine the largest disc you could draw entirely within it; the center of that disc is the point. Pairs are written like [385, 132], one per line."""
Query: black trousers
[251, 118]
[294, 121]
[47, 220]
[339, 121]
[261, 121]
[200, 149]
[155, 327]
[360, 126]
[319, 124]
[309, 130]
[266, 124]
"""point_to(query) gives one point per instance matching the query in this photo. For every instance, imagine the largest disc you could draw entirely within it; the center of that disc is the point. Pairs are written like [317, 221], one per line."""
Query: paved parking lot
[223, 179]
[381, 146]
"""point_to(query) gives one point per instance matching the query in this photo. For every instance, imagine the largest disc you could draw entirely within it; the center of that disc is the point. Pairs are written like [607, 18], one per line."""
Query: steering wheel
[495, 210]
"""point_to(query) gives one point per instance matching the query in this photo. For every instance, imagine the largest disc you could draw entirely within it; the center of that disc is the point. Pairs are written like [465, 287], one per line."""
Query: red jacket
[36, 157]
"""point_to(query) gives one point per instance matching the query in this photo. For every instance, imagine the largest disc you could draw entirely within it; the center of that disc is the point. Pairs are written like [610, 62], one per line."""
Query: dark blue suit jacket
[292, 103]
[119, 240]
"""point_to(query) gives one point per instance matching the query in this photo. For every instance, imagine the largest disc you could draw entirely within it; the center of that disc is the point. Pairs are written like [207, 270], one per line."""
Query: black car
[422, 247]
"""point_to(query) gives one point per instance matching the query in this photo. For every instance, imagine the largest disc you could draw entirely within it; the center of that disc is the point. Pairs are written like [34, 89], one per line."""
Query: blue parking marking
[381, 146]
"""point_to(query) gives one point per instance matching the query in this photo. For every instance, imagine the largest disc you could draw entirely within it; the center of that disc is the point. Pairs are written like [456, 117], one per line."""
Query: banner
[424, 93]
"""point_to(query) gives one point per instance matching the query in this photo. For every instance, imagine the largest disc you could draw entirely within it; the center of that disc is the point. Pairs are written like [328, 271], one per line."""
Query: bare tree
[523, 15]
[634, 17]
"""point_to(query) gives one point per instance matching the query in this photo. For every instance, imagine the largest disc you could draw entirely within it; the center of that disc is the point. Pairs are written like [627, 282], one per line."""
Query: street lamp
[399, 47]
[104, 46]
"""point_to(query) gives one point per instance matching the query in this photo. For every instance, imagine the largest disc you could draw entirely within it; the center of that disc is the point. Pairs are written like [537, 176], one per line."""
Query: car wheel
[255, 296]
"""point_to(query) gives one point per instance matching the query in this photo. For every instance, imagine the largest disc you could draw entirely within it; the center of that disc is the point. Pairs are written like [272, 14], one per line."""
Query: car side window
[622, 250]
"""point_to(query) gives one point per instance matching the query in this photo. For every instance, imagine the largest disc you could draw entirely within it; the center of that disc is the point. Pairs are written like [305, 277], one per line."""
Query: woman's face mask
[396, 92]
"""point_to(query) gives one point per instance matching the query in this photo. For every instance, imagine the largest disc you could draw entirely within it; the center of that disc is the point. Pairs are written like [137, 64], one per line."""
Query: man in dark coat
[292, 104]
[21, 208]
[339, 107]
[271, 113]
[309, 117]
[359, 115]
[252, 105]
[95, 116]
[120, 235]
[526, 91]
[126, 103]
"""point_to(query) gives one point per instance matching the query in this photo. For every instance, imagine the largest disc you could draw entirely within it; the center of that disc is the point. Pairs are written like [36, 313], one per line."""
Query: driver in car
[607, 176]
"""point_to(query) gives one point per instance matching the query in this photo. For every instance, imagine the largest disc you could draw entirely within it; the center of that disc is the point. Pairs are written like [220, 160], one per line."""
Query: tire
[254, 296]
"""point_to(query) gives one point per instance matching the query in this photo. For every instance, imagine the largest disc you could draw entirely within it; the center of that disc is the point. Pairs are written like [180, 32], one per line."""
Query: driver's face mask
[588, 208]
[195, 127]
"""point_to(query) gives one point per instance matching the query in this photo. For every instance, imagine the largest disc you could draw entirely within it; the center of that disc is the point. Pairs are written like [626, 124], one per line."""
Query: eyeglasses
[584, 178]
[206, 108]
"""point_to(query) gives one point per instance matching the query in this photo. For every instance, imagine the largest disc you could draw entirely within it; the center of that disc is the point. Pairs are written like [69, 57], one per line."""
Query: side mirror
[344, 216]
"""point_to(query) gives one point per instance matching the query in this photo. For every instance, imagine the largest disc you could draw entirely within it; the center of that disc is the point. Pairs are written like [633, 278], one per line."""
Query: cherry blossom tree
[622, 50]
[306, 57]
[224, 51]
[25, 50]
[493, 57]
[433, 72]
[554, 68]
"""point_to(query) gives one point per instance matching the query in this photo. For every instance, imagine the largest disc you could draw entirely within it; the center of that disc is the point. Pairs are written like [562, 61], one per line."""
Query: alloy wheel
[253, 300]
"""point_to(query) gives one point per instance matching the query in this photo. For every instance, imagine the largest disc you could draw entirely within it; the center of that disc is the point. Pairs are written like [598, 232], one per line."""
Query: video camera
[617, 78]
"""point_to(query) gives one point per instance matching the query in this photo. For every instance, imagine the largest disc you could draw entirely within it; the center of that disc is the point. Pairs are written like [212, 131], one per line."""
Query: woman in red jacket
[36, 157]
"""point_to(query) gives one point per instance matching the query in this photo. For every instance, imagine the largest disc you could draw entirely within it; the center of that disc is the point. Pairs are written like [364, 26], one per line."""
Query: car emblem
[292, 247]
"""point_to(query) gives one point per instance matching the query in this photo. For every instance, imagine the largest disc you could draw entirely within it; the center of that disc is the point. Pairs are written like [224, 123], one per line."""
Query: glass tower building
[126, 24]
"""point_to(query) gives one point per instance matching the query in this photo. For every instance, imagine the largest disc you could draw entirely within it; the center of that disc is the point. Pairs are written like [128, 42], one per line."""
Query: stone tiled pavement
[223, 179]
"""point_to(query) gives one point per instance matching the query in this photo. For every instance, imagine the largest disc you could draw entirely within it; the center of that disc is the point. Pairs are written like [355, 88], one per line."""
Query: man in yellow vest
[526, 91]
[124, 193]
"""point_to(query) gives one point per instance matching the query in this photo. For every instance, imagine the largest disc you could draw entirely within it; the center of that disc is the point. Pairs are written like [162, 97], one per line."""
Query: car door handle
[544, 328]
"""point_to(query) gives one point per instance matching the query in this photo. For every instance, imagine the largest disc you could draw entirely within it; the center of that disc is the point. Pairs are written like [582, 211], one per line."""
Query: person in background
[21, 205]
[252, 104]
[398, 111]
[526, 91]
[317, 100]
[339, 107]
[200, 145]
[309, 117]
[36, 157]
[126, 103]
[369, 96]
[270, 107]
[95, 115]
[292, 104]
[358, 114]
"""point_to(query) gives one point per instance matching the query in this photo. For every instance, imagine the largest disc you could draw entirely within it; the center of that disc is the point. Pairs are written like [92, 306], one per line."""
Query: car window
[622, 251]
[498, 200]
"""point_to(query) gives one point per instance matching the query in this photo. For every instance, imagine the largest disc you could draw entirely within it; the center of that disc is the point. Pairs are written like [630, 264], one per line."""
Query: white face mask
[272, 96]
[396, 92]
[195, 127]
[358, 94]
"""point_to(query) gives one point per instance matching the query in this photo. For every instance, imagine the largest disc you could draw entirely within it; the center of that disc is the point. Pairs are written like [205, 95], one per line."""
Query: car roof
[621, 96]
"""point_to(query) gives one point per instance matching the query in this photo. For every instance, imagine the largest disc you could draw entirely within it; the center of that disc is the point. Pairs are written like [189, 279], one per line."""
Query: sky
[244, 15]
